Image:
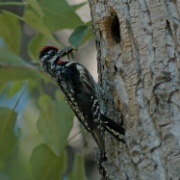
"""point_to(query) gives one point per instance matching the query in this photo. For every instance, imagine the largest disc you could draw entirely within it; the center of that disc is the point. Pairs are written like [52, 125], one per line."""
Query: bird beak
[67, 51]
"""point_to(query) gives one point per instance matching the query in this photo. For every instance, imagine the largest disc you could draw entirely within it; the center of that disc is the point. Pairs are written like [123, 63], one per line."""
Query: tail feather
[113, 128]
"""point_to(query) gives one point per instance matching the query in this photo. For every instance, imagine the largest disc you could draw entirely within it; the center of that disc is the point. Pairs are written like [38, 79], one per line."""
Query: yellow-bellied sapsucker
[79, 90]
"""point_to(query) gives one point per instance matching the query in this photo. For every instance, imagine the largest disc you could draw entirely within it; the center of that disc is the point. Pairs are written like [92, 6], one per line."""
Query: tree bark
[138, 45]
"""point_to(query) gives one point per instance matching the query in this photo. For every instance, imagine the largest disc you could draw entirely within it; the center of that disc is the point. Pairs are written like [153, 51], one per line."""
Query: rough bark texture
[138, 45]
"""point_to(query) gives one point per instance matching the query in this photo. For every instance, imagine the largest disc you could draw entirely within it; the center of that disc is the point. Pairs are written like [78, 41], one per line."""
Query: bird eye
[52, 52]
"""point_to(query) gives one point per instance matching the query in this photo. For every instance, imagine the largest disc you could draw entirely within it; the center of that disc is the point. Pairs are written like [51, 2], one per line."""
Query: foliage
[78, 169]
[29, 104]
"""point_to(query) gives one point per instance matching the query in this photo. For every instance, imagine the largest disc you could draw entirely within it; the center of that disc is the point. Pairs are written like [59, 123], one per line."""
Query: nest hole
[115, 29]
[111, 26]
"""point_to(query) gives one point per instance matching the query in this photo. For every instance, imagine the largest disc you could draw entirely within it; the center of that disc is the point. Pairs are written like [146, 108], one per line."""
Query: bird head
[51, 56]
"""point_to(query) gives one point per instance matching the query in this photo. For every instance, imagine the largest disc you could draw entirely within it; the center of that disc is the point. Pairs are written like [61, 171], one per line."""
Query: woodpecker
[79, 89]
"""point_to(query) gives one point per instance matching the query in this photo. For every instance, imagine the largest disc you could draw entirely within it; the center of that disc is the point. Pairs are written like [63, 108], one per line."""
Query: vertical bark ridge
[139, 75]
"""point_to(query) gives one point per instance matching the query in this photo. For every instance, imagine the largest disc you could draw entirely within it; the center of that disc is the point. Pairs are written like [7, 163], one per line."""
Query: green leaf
[34, 4]
[46, 165]
[10, 58]
[15, 74]
[12, 67]
[77, 6]
[14, 88]
[7, 136]
[10, 31]
[31, 18]
[34, 46]
[12, 3]
[78, 171]
[80, 35]
[54, 123]
[13, 15]
[59, 15]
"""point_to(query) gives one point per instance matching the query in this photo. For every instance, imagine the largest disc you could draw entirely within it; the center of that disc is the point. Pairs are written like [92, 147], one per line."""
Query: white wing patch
[83, 76]
[69, 63]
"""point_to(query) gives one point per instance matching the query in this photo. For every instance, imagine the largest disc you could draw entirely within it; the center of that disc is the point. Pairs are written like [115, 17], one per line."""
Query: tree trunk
[138, 45]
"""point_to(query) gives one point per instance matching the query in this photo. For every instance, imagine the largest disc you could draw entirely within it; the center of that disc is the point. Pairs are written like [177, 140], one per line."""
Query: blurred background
[39, 136]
